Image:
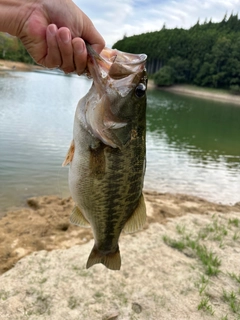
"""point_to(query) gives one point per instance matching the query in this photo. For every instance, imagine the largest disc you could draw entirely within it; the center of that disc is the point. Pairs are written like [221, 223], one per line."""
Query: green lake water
[193, 145]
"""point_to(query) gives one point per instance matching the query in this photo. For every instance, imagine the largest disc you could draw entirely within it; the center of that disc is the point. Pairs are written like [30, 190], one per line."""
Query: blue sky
[115, 18]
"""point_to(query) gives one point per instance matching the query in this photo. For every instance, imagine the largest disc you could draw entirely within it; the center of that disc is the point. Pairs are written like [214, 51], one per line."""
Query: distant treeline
[11, 48]
[207, 54]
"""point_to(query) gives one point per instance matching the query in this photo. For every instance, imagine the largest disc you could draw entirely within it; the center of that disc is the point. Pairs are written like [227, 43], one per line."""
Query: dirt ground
[44, 223]
[6, 65]
[183, 265]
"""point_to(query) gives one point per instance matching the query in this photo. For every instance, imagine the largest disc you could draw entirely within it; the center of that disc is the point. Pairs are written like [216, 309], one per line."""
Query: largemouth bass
[107, 154]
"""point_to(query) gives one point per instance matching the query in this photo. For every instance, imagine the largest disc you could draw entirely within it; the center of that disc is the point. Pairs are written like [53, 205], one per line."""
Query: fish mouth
[110, 56]
[115, 69]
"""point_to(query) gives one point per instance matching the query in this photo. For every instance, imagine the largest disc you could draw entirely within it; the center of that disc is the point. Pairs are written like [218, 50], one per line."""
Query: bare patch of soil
[44, 224]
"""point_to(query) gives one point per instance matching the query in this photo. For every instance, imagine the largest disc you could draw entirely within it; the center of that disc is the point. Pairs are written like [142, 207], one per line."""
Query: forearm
[13, 14]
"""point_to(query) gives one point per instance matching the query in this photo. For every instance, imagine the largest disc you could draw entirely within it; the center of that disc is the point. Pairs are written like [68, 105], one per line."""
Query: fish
[107, 156]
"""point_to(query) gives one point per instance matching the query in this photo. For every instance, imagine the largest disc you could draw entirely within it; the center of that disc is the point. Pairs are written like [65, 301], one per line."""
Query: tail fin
[111, 260]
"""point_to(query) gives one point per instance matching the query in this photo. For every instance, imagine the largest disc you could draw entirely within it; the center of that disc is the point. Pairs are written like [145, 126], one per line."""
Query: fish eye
[140, 90]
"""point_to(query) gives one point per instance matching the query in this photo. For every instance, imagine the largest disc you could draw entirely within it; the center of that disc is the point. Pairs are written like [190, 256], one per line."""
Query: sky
[116, 18]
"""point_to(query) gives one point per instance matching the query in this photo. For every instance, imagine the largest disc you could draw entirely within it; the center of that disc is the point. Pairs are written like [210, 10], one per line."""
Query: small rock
[110, 316]
[33, 203]
[136, 307]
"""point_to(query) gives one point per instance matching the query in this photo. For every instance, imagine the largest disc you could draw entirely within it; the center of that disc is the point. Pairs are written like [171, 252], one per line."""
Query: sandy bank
[159, 278]
[201, 93]
[44, 223]
[6, 65]
[198, 92]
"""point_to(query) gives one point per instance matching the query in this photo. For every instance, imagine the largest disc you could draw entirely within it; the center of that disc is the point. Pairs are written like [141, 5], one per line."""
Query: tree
[207, 54]
[164, 77]
[12, 49]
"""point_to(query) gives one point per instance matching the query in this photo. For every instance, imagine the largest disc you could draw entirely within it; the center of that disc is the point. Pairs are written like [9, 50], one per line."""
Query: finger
[93, 37]
[80, 55]
[53, 58]
[64, 40]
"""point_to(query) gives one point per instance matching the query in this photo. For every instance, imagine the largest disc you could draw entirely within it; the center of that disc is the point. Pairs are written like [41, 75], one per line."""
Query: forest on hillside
[206, 55]
[11, 48]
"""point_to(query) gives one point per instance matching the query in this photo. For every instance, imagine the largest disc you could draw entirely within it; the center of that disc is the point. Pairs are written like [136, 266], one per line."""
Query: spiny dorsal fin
[78, 218]
[138, 218]
[69, 155]
[111, 260]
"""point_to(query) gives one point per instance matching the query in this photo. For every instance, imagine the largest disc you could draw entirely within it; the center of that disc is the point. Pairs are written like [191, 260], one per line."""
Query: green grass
[235, 236]
[231, 299]
[206, 306]
[175, 244]
[234, 276]
[41, 305]
[208, 258]
[214, 231]
[192, 244]
[4, 295]
[210, 261]
[72, 302]
[235, 222]
[202, 284]
[180, 229]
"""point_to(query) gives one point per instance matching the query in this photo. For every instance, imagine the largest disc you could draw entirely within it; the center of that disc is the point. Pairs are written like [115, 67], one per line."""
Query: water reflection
[36, 118]
[192, 145]
[206, 130]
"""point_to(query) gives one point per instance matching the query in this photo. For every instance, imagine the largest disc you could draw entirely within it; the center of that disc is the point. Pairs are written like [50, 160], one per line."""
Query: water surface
[192, 144]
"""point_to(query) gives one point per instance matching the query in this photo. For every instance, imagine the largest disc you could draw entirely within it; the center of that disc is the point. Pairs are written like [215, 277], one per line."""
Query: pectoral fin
[138, 218]
[78, 218]
[69, 155]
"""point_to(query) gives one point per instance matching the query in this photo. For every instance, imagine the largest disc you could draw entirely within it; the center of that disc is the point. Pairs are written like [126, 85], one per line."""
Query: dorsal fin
[138, 218]
[69, 155]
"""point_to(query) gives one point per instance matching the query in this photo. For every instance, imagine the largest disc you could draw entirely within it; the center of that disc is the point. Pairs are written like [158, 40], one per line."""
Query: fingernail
[65, 37]
[78, 47]
[52, 28]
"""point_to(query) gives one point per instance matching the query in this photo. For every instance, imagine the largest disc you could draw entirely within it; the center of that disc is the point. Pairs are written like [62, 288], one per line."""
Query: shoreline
[46, 261]
[199, 92]
[43, 224]
[7, 65]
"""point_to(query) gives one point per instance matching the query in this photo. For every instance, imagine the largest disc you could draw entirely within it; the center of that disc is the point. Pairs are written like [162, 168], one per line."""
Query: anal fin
[110, 260]
[69, 155]
[78, 218]
[138, 218]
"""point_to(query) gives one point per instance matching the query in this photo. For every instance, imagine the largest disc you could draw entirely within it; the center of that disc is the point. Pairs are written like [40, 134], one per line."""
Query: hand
[53, 31]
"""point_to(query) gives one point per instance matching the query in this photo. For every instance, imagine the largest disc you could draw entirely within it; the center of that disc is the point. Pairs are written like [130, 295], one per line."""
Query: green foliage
[231, 299]
[206, 55]
[164, 77]
[235, 89]
[12, 49]
[205, 306]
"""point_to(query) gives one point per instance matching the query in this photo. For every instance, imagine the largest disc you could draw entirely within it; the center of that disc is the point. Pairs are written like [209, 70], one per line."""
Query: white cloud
[113, 19]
